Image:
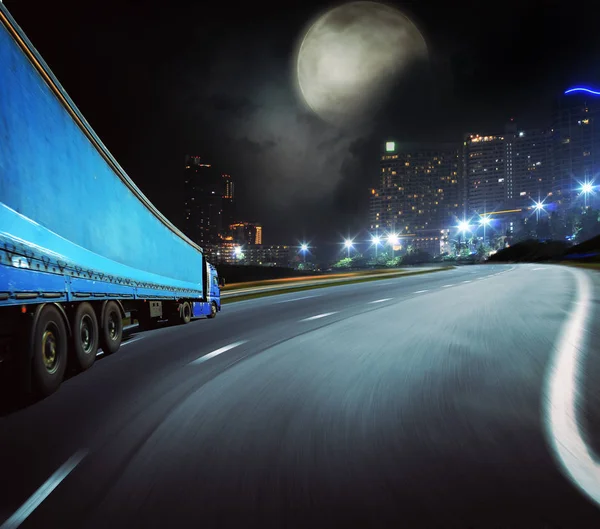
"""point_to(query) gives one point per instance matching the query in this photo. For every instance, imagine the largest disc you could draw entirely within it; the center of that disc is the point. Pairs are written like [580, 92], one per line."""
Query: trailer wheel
[213, 310]
[186, 312]
[49, 341]
[112, 328]
[85, 336]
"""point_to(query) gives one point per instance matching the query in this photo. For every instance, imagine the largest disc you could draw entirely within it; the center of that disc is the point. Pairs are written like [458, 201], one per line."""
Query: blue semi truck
[80, 245]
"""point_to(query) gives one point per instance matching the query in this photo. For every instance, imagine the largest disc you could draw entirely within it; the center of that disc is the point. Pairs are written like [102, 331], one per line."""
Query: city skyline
[294, 172]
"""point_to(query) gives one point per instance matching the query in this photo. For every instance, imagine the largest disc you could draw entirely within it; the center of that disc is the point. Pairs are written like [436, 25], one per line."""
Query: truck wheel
[213, 310]
[112, 328]
[85, 336]
[186, 312]
[49, 341]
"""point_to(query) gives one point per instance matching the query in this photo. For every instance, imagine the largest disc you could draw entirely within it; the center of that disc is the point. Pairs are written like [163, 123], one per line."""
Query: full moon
[350, 56]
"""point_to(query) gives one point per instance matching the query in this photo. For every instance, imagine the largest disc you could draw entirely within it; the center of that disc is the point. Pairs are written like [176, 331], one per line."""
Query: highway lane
[416, 400]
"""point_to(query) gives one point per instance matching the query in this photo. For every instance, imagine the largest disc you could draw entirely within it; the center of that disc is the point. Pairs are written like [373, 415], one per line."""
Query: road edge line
[561, 391]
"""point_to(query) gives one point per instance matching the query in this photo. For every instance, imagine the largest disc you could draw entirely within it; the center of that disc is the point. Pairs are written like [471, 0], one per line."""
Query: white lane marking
[43, 492]
[561, 395]
[297, 299]
[467, 281]
[447, 286]
[420, 291]
[540, 268]
[325, 314]
[217, 352]
[132, 340]
[379, 300]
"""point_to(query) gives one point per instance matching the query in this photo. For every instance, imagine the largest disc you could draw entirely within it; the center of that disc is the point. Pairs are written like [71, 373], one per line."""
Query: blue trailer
[80, 245]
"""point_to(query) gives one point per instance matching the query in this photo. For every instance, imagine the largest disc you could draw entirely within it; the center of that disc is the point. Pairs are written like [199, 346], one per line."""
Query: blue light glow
[582, 89]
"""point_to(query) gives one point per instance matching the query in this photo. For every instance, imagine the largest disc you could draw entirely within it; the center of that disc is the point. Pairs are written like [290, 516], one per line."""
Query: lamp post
[376, 241]
[587, 188]
[463, 228]
[485, 221]
[304, 249]
[393, 241]
[348, 244]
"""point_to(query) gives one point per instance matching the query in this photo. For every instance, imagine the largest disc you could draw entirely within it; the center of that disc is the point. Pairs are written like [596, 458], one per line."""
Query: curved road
[423, 401]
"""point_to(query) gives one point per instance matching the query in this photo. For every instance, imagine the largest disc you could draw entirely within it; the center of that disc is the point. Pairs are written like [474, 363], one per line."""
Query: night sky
[161, 80]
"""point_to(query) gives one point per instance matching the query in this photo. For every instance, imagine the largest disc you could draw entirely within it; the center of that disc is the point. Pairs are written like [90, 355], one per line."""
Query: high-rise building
[576, 128]
[419, 189]
[229, 213]
[528, 166]
[484, 173]
[203, 201]
[246, 233]
[277, 255]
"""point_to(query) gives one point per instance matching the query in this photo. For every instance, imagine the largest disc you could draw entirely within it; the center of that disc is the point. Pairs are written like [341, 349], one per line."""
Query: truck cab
[212, 305]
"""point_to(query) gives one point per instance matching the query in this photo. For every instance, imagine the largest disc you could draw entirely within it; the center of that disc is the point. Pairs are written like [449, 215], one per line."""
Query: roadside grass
[590, 266]
[292, 289]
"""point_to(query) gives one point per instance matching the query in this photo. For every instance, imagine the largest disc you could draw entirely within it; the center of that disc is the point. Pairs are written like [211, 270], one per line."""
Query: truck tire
[85, 337]
[49, 343]
[213, 310]
[186, 312]
[111, 332]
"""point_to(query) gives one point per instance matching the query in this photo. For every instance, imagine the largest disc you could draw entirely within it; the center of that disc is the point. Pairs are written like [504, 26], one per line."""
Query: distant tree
[346, 262]
[394, 262]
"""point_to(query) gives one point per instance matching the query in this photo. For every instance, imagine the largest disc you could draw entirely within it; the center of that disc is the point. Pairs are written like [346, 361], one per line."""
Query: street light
[376, 241]
[393, 241]
[484, 221]
[538, 206]
[348, 244]
[464, 226]
[304, 249]
[587, 188]
[238, 252]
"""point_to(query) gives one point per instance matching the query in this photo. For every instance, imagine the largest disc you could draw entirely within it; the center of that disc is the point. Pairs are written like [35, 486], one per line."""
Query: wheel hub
[112, 327]
[49, 351]
[86, 334]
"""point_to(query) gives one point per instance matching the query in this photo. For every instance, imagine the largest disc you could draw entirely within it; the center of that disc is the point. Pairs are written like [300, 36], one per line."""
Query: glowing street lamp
[484, 221]
[348, 244]
[464, 226]
[587, 188]
[393, 239]
[376, 241]
[238, 252]
[304, 249]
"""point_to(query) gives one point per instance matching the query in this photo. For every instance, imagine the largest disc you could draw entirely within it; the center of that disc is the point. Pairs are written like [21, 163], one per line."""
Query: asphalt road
[423, 401]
